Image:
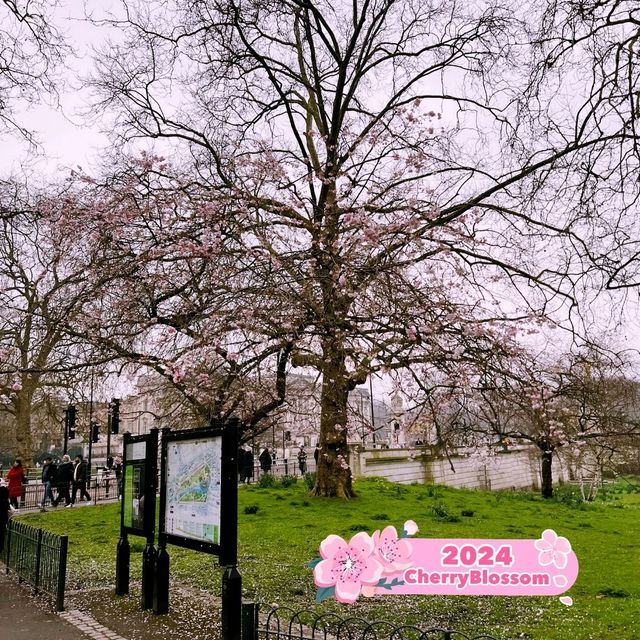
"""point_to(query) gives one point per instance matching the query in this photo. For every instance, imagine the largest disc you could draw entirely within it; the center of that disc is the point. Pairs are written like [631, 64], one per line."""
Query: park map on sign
[193, 489]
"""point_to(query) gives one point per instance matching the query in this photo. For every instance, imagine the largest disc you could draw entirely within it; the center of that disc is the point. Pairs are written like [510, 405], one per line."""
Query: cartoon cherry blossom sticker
[391, 551]
[347, 566]
[553, 549]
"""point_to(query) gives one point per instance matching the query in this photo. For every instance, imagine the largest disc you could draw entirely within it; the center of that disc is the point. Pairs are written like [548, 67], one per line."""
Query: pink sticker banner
[388, 563]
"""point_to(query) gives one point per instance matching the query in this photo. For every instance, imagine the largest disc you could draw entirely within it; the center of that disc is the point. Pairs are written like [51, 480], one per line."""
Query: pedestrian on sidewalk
[265, 461]
[48, 478]
[302, 461]
[79, 480]
[64, 476]
[247, 465]
[15, 478]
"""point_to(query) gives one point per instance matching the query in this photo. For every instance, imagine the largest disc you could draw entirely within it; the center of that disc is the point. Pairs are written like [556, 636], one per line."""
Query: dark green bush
[251, 509]
[440, 512]
[266, 481]
[287, 481]
[309, 480]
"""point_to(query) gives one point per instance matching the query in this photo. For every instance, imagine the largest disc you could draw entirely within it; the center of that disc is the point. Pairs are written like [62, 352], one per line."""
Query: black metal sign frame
[228, 532]
[148, 465]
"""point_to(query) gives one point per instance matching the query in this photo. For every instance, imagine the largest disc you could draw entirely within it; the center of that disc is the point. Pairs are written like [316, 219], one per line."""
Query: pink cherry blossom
[553, 549]
[393, 552]
[347, 566]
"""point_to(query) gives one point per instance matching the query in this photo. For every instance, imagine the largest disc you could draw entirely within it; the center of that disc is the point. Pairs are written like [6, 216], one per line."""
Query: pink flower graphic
[394, 553]
[347, 566]
[553, 549]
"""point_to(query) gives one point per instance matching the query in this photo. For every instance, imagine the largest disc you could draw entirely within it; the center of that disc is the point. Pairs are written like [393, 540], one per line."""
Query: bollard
[161, 585]
[231, 604]
[123, 560]
[148, 575]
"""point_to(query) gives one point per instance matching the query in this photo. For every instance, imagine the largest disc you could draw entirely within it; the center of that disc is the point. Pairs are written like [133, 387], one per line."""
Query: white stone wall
[518, 468]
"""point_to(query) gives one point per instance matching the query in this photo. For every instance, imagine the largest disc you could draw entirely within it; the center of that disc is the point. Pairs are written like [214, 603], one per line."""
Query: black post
[231, 604]
[62, 572]
[36, 581]
[8, 556]
[149, 553]
[148, 575]
[231, 579]
[161, 585]
[90, 451]
[123, 562]
[66, 430]
[250, 612]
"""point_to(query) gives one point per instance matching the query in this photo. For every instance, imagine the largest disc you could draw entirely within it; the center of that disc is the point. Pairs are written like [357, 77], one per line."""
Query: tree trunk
[547, 475]
[23, 428]
[333, 475]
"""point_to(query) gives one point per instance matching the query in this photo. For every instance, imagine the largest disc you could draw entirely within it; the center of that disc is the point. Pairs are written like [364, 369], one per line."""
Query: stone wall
[517, 468]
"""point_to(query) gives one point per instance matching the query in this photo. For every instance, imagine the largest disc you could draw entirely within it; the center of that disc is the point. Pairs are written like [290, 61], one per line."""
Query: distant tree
[582, 404]
[43, 285]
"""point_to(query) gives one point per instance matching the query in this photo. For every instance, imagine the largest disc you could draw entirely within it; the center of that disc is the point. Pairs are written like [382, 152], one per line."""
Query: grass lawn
[285, 532]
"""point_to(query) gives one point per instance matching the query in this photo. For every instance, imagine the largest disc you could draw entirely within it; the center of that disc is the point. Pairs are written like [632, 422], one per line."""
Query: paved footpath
[22, 619]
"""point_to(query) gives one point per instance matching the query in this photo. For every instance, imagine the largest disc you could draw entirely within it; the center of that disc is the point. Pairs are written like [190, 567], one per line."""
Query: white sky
[68, 139]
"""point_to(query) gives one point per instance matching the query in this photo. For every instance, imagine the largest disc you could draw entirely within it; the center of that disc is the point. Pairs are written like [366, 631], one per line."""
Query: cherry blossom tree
[184, 289]
[389, 162]
[582, 403]
[42, 287]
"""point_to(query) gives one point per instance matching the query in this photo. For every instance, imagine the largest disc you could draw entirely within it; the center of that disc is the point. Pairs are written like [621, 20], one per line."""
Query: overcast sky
[68, 138]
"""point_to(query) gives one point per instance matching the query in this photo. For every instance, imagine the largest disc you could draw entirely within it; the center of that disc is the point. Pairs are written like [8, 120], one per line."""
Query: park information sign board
[193, 484]
[199, 489]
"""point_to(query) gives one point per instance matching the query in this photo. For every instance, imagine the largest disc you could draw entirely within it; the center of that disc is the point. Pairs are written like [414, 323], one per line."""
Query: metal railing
[38, 557]
[264, 622]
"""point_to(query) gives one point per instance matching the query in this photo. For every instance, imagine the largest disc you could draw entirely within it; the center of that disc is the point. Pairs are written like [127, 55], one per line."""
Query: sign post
[138, 510]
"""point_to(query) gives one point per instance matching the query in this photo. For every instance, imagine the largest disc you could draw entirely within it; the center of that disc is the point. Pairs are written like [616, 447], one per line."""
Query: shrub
[287, 481]
[266, 481]
[468, 513]
[309, 480]
[251, 509]
[440, 512]
[432, 491]
[608, 592]
[380, 516]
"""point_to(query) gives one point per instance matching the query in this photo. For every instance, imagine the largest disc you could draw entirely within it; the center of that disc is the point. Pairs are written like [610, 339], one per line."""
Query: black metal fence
[262, 622]
[38, 557]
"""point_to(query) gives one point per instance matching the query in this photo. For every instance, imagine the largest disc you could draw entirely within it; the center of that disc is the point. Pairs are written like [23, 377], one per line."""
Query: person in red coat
[15, 479]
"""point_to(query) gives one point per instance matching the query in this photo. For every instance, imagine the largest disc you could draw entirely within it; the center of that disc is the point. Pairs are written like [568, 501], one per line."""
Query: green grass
[278, 538]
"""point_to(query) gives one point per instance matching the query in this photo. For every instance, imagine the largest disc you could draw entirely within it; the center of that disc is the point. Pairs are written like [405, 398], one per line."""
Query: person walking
[265, 460]
[15, 479]
[247, 465]
[117, 468]
[64, 476]
[79, 480]
[48, 478]
[302, 461]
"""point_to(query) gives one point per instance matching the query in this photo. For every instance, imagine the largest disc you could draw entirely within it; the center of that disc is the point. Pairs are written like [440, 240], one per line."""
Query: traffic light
[71, 421]
[94, 432]
[115, 415]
